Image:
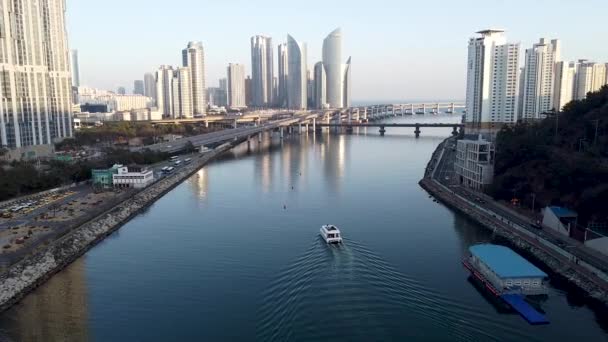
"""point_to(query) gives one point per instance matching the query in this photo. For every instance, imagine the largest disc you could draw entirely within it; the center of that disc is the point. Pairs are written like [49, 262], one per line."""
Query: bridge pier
[417, 131]
[281, 132]
[382, 131]
[260, 137]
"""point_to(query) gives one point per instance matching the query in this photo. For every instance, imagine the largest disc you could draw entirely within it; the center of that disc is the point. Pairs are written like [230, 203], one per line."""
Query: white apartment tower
[565, 73]
[75, 68]
[164, 90]
[262, 71]
[492, 80]
[193, 57]
[182, 94]
[539, 79]
[236, 86]
[335, 71]
[590, 77]
[283, 74]
[35, 78]
[150, 86]
[320, 100]
[296, 78]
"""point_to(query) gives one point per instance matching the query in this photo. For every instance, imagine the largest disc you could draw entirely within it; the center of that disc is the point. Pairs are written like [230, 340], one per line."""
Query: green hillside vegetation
[568, 168]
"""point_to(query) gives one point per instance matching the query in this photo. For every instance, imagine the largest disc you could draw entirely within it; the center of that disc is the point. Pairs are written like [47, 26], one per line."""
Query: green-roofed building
[103, 177]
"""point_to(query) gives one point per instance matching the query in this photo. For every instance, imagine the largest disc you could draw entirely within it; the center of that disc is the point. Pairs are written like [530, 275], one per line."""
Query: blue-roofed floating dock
[508, 276]
[526, 311]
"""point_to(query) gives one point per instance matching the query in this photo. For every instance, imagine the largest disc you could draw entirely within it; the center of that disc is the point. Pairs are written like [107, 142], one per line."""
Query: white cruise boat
[331, 234]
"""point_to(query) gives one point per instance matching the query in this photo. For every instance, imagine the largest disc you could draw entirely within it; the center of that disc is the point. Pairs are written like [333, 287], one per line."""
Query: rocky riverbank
[563, 269]
[35, 269]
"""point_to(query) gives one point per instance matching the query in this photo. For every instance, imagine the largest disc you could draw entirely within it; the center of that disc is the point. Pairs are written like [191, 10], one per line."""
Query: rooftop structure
[505, 263]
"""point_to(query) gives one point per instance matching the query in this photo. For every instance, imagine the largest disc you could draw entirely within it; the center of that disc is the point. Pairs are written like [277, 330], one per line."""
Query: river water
[220, 259]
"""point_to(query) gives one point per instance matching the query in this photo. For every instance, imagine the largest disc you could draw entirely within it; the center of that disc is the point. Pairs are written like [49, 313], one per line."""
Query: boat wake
[347, 292]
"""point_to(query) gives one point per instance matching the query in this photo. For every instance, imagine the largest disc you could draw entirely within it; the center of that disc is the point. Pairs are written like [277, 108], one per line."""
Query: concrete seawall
[563, 269]
[33, 270]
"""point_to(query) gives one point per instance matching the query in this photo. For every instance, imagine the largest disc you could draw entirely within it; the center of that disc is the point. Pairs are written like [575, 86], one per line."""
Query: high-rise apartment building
[138, 87]
[75, 68]
[182, 94]
[150, 86]
[539, 79]
[563, 93]
[193, 57]
[335, 70]
[164, 90]
[282, 77]
[590, 77]
[310, 88]
[296, 78]
[248, 92]
[346, 94]
[492, 80]
[320, 82]
[236, 86]
[35, 78]
[262, 71]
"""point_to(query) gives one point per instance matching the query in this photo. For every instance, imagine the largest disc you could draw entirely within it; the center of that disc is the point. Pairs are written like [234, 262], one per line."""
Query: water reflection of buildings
[56, 311]
[199, 183]
[334, 156]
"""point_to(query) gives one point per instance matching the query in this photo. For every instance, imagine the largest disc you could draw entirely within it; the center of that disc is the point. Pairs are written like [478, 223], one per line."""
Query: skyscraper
[236, 86]
[282, 78]
[332, 55]
[138, 87]
[262, 71]
[182, 94]
[75, 68]
[320, 81]
[539, 79]
[296, 78]
[121, 91]
[590, 77]
[150, 86]
[35, 82]
[248, 92]
[346, 83]
[310, 89]
[164, 90]
[492, 80]
[563, 92]
[193, 57]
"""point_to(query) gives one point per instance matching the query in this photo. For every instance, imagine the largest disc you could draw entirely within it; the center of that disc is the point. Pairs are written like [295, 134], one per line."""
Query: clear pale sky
[401, 49]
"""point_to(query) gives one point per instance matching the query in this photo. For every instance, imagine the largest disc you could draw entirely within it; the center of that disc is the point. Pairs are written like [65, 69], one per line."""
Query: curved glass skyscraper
[296, 79]
[336, 72]
[332, 61]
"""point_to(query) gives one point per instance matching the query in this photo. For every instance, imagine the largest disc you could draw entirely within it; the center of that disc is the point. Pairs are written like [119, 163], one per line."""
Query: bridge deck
[386, 125]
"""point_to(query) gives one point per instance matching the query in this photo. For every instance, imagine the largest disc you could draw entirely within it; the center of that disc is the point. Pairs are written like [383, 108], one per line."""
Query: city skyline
[407, 45]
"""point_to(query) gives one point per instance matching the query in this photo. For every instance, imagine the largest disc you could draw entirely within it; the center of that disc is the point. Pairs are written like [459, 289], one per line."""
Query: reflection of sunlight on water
[265, 172]
[341, 155]
[200, 184]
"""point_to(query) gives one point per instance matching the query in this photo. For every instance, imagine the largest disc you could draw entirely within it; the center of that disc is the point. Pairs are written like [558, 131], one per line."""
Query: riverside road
[445, 175]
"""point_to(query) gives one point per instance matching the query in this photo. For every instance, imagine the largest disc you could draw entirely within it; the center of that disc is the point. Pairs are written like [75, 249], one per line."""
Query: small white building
[474, 163]
[560, 219]
[132, 178]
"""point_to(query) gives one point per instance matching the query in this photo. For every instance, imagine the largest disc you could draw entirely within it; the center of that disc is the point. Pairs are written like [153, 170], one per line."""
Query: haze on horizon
[401, 50]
